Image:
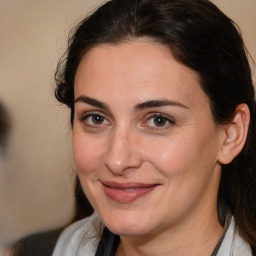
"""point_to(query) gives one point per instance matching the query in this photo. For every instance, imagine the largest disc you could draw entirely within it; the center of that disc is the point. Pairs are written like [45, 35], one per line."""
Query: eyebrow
[91, 101]
[140, 106]
[158, 103]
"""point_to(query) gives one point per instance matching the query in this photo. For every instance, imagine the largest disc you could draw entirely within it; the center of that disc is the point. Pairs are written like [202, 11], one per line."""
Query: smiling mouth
[127, 192]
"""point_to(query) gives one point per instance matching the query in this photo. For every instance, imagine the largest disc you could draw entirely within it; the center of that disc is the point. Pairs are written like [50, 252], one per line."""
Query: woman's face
[145, 144]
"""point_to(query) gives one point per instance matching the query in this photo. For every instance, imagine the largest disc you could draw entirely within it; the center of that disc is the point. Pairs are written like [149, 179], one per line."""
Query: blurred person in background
[4, 128]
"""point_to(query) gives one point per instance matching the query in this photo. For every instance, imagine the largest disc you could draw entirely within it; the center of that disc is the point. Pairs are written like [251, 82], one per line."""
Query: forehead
[138, 68]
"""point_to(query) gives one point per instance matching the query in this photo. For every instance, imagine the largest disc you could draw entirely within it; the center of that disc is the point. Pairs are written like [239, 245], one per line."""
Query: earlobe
[235, 135]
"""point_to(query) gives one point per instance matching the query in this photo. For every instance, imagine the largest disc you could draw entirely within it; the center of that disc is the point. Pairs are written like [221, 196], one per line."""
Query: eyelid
[84, 115]
[157, 114]
[169, 119]
[88, 114]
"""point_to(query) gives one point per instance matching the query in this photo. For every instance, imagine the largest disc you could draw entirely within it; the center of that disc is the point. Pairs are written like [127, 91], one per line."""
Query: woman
[163, 117]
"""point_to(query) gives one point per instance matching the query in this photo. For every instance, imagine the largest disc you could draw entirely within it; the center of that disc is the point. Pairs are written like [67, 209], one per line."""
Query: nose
[122, 152]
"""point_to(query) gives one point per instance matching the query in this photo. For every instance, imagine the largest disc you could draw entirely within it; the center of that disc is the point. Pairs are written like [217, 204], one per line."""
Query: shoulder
[80, 238]
[36, 244]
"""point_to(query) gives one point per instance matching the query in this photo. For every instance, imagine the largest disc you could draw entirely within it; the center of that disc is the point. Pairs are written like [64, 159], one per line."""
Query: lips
[127, 192]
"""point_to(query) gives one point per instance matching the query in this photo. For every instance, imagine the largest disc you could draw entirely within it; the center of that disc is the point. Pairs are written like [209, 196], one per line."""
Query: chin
[127, 230]
[127, 223]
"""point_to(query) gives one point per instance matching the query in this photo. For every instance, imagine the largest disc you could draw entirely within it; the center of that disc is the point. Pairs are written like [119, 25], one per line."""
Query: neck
[196, 237]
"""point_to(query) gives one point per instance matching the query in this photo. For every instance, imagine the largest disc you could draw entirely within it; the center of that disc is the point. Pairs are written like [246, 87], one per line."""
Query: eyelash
[85, 118]
[167, 120]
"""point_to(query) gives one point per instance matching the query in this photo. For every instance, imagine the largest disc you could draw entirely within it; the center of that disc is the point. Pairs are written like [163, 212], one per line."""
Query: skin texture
[120, 141]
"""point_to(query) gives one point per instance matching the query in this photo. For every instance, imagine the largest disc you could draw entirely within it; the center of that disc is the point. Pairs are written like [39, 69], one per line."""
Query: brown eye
[94, 119]
[159, 121]
[97, 119]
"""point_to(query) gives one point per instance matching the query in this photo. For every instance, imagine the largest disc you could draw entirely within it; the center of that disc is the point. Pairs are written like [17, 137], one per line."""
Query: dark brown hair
[202, 38]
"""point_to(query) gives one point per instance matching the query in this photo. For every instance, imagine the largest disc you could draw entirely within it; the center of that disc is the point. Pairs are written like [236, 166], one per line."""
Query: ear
[235, 135]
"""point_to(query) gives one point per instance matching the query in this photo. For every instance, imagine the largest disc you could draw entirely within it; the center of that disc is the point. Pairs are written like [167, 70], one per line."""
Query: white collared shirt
[233, 244]
[81, 239]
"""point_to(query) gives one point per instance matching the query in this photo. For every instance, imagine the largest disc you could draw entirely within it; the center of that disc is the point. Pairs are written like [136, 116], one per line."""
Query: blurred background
[36, 173]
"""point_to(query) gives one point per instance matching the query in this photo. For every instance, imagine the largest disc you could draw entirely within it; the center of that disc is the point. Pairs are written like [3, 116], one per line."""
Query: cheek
[183, 155]
[170, 157]
[87, 153]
